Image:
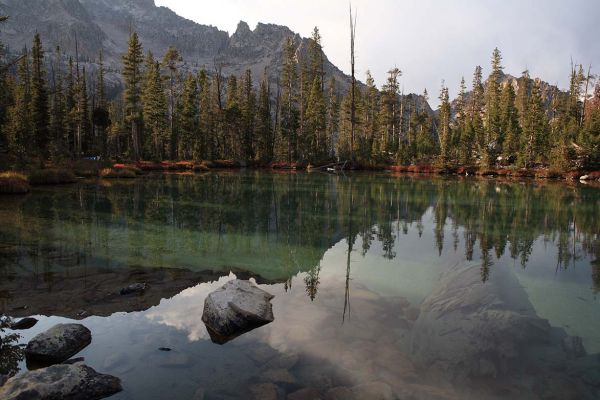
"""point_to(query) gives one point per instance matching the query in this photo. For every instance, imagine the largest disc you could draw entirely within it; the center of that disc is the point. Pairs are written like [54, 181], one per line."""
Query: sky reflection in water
[339, 321]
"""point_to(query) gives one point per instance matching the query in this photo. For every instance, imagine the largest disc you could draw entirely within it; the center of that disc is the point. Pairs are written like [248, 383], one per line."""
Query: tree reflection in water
[278, 225]
[10, 353]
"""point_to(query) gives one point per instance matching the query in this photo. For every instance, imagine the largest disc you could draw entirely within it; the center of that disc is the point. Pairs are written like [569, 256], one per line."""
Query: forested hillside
[53, 109]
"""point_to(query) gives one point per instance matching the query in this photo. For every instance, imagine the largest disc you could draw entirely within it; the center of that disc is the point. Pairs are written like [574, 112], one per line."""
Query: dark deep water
[398, 287]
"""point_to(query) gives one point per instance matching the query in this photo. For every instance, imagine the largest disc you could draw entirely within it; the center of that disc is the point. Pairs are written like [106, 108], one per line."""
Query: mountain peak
[243, 28]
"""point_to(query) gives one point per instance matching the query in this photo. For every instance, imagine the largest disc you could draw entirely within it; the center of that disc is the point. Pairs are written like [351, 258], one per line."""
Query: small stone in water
[164, 349]
[134, 288]
[23, 324]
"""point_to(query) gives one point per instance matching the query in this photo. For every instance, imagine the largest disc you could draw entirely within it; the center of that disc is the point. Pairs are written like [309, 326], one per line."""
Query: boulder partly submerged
[236, 308]
[489, 334]
[58, 344]
[73, 382]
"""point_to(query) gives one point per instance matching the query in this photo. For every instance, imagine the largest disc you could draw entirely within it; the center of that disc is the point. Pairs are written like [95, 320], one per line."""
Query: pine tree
[316, 122]
[132, 78]
[264, 124]
[154, 108]
[19, 115]
[347, 146]
[333, 117]
[370, 118]
[317, 68]
[232, 136]
[509, 121]
[535, 129]
[247, 100]
[6, 94]
[208, 110]
[170, 61]
[71, 109]
[390, 113]
[82, 114]
[39, 100]
[189, 119]
[444, 132]
[425, 147]
[590, 140]
[493, 133]
[477, 101]
[58, 119]
[100, 115]
[287, 134]
[461, 137]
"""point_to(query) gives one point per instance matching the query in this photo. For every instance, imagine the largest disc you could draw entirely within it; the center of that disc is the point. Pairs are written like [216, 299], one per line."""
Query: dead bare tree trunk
[353, 89]
[587, 87]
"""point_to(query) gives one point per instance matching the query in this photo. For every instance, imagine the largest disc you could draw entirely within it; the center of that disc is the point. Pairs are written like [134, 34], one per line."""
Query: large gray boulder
[61, 382]
[58, 343]
[236, 308]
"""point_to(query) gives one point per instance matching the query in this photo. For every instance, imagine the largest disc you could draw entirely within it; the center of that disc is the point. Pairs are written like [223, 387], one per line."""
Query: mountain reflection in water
[417, 288]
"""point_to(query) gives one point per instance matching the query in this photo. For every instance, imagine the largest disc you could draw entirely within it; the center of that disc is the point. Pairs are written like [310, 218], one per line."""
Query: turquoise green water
[364, 268]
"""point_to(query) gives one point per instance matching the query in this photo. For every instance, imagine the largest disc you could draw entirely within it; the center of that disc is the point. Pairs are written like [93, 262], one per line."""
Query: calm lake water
[385, 287]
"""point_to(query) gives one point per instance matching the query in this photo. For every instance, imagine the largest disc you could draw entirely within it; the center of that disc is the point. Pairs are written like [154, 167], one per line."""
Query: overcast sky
[429, 40]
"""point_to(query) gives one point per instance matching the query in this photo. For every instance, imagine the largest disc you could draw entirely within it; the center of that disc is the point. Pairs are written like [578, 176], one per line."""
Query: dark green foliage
[171, 110]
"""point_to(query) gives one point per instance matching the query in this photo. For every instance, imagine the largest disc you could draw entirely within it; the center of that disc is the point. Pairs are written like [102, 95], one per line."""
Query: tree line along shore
[54, 114]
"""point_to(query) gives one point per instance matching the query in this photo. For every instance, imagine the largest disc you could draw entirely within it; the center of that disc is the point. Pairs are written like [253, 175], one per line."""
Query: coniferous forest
[52, 110]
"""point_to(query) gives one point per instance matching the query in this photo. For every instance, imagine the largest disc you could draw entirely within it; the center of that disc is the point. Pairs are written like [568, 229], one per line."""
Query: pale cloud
[430, 40]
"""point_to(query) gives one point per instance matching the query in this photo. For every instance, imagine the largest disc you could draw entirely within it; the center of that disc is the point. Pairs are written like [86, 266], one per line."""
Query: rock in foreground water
[58, 343]
[236, 308]
[23, 324]
[73, 382]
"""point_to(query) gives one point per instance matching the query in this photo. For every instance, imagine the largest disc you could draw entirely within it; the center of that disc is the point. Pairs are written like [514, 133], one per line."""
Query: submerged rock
[135, 288]
[236, 308]
[73, 382]
[58, 343]
[468, 330]
[23, 324]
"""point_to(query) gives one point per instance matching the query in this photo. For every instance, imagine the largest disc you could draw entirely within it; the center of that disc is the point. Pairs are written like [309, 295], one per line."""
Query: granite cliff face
[88, 26]
[105, 25]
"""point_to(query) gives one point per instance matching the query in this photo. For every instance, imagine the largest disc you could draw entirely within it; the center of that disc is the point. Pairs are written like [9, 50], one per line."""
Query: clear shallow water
[412, 287]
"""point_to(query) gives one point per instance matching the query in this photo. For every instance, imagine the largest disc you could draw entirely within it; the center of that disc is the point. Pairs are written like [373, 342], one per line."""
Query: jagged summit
[96, 25]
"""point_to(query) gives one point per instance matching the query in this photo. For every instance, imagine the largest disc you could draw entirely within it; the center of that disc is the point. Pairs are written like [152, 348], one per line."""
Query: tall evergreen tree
[208, 112]
[232, 136]
[287, 134]
[444, 132]
[264, 124]
[316, 122]
[132, 76]
[189, 119]
[535, 130]
[71, 108]
[509, 121]
[39, 99]
[493, 134]
[19, 115]
[58, 119]
[155, 109]
[247, 100]
[83, 115]
[100, 115]
[370, 118]
[333, 117]
[390, 113]
[171, 60]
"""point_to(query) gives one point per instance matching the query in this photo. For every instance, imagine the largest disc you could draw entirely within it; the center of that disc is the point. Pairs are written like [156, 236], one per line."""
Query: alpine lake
[386, 286]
